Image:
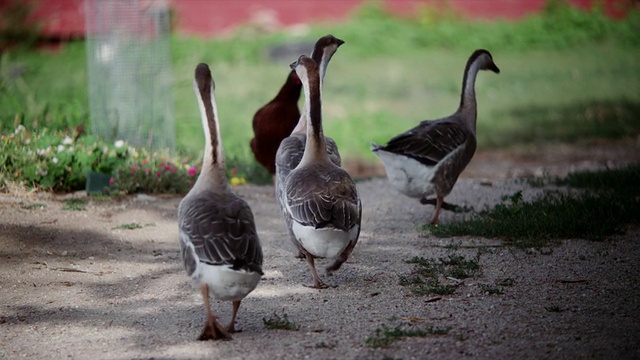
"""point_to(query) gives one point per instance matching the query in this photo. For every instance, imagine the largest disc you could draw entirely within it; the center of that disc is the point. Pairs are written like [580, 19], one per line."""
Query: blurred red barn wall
[64, 19]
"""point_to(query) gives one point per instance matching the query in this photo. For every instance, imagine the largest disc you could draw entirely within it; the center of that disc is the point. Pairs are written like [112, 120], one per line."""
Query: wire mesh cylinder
[129, 71]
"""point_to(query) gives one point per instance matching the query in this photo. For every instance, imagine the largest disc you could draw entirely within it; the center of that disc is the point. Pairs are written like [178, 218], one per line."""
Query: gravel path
[74, 285]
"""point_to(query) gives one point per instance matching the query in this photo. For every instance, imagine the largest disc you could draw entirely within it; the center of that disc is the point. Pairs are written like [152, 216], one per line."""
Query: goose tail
[375, 147]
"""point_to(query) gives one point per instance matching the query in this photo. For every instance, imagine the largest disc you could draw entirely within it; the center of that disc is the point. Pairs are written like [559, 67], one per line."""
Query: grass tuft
[491, 290]
[426, 274]
[611, 202]
[131, 226]
[384, 337]
[75, 204]
[278, 322]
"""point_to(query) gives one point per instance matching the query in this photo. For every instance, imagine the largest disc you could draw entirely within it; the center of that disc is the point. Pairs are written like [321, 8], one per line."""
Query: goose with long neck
[221, 251]
[322, 207]
[291, 149]
[428, 159]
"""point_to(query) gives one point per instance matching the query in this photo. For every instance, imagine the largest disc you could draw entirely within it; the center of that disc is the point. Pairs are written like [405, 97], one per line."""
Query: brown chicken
[275, 121]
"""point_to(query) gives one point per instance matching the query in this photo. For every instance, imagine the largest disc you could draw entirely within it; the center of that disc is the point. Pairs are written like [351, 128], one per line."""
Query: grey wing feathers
[222, 230]
[429, 142]
[324, 202]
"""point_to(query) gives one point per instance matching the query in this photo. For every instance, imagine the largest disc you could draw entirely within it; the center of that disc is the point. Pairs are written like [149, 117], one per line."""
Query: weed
[75, 204]
[32, 206]
[461, 268]
[491, 290]
[131, 226]
[506, 282]
[426, 273]
[384, 337]
[279, 322]
[536, 182]
[611, 204]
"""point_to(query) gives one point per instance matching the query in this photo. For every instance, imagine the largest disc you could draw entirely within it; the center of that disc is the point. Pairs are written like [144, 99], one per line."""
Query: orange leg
[232, 326]
[317, 283]
[212, 328]
[436, 215]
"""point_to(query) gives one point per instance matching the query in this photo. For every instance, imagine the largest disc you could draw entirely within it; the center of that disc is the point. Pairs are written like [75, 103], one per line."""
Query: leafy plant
[60, 161]
[75, 204]
[384, 337]
[491, 290]
[279, 322]
[56, 160]
[425, 277]
[130, 226]
[153, 174]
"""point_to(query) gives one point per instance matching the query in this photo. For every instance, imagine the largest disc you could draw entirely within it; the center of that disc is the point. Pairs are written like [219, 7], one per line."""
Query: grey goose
[428, 159]
[323, 210]
[291, 148]
[218, 238]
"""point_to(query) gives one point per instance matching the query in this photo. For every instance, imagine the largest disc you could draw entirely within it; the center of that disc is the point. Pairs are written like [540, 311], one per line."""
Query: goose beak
[340, 42]
[296, 63]
[494, 68]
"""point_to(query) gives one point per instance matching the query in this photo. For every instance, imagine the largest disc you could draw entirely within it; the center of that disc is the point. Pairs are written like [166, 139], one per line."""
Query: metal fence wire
[129, 71]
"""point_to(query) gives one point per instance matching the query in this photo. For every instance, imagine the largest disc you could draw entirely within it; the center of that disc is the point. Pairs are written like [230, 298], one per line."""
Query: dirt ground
[75, 284]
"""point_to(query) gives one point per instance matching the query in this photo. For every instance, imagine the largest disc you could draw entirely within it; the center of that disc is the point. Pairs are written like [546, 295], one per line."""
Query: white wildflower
[67, 140]
[60, 148]
[43, 152]
[19, 128]
[119, 143]
[27, 141]
[54, 160]
[105, 150]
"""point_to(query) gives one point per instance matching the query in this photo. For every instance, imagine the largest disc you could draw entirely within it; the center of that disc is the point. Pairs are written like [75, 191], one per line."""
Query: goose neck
[213, 162]
[322, 58]
[468, 106]
[315, 143]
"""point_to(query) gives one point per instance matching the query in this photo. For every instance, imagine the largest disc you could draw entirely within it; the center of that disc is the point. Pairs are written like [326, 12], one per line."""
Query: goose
[428, 159]
[221, 251]
[323, 210]
[291, 149]
[275, 121]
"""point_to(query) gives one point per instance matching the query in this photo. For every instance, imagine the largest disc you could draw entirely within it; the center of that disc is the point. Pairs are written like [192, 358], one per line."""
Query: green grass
[425, 277]
[566, 76]
[31, 206]
[279, 322]
[385, 337]
[75, 205]
[611, 202]
[132, 226]
[491, 290]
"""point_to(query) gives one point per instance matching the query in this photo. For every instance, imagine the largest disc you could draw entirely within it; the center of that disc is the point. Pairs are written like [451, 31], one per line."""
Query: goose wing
[290, 154]
[429, 142]
[222, 230]
[327, 199]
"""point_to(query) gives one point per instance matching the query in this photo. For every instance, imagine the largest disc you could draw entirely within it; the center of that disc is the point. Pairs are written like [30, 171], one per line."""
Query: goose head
[325, 47]
[484, 60]
[304, 66]
[203, 82]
